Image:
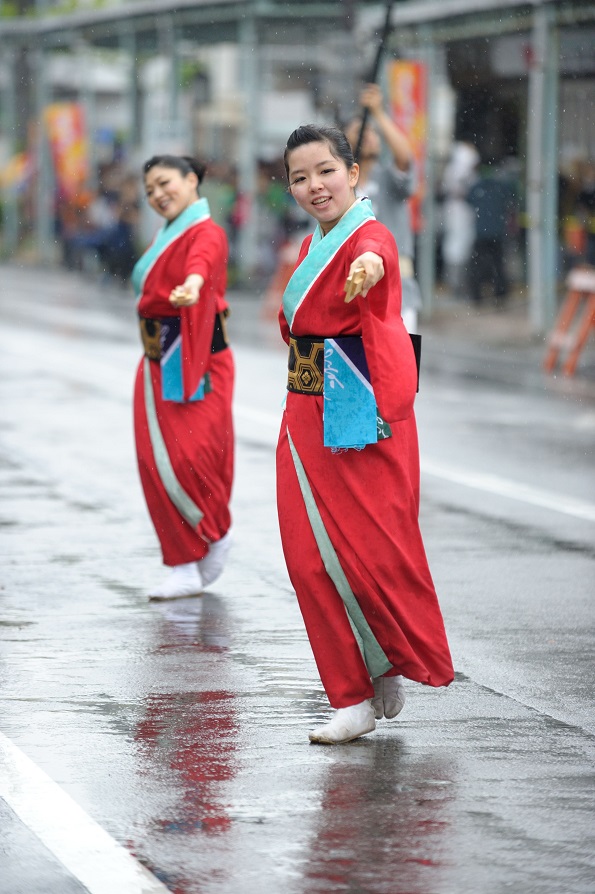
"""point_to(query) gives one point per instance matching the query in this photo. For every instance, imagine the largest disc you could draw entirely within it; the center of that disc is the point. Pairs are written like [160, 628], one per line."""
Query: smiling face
[320, 183]
[169, 191]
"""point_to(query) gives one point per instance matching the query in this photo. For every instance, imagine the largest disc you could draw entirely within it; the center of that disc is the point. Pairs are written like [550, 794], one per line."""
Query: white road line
[265, 427]
[504, 487]
[86, 850]
[492, 484]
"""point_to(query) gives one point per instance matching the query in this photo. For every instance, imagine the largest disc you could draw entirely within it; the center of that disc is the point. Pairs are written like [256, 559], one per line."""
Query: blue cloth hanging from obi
[350, 414]
[172, 383]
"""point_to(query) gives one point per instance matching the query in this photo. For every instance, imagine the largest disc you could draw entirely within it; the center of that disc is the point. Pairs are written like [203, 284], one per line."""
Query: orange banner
[65, 122]
[407, 85]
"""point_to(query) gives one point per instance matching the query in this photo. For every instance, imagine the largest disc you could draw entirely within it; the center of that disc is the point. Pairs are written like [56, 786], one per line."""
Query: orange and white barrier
[575, 321]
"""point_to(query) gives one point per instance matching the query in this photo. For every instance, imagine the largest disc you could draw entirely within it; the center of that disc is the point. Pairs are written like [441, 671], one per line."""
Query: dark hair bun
[197, 166]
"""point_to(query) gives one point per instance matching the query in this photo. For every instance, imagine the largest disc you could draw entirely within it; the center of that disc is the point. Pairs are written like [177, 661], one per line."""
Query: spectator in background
[221, 192]
[117, 242]
[389, 186]
[101, 228]
[272, 212]
[585, 203]
[458, 217]
[492, 199]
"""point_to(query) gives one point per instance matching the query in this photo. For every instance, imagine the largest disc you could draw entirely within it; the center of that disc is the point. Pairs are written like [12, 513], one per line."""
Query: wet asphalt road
[181, 729]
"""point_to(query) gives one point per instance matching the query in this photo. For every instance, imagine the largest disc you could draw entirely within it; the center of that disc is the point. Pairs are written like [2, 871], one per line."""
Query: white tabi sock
[183, 580]
[211, 567]
[389, 697]
[347, 724]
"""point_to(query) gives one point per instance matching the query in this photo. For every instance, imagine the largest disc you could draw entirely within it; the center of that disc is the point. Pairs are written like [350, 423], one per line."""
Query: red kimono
[349, 519]
[185, 447]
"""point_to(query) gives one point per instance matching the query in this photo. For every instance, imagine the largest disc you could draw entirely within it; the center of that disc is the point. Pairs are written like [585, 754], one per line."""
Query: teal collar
[169, 232]
[322, 250]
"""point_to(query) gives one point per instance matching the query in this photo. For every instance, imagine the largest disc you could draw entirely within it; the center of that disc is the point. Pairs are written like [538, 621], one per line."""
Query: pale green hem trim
[183, 503]
[372, 653]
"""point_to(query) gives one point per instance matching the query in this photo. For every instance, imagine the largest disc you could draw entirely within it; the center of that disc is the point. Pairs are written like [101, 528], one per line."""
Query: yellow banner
[65, 123]
[407, 84]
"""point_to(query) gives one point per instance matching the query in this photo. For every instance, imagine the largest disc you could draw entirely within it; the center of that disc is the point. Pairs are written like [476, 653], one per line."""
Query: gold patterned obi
[306, 365]
[150, 333]
[157, 333]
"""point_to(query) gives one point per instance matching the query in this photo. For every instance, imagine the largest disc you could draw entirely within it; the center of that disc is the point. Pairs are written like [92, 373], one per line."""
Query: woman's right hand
[188, 293]
[373, 266]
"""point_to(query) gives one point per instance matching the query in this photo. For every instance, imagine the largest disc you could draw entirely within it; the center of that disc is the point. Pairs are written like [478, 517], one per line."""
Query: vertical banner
[407, 86]
[65, 123]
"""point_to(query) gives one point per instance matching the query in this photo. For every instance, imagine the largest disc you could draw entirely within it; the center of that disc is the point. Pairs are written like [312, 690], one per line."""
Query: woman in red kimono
[347, 458]
[183, 390]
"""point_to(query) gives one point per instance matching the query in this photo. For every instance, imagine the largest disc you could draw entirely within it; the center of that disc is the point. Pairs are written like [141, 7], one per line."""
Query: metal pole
[44, 224]
[551, 251]
[136, 120]
[427, 240]
[132, 136]
[174, 61]
[542, 243]
[248, 154]
[11, 219]
[88, 95]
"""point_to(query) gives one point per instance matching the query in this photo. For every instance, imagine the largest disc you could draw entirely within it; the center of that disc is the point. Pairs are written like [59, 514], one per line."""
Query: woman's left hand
[188, 293]
[373, 266]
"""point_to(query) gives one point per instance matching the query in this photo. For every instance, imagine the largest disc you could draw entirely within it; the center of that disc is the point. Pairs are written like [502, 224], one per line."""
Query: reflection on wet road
[181, 730]
[383, 816]
[189, 740]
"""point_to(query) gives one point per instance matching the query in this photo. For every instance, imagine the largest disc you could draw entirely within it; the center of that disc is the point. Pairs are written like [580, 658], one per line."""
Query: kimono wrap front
[185, 446]
[349, 519]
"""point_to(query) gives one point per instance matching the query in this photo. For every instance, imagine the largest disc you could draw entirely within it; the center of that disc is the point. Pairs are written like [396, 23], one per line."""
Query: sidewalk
[499, 344]
[460, 340]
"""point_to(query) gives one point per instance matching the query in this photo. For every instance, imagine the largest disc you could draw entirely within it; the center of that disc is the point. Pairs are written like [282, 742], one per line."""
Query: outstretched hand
[365, 271]
[188, 293]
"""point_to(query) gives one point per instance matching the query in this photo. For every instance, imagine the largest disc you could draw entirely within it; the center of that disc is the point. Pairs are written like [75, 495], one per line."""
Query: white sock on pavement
[211, 567]
[389, 697]
[183, 580]
[347, 724]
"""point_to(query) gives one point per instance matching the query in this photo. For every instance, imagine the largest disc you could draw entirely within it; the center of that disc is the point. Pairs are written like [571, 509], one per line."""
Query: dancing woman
[347, 457]
[183, 390]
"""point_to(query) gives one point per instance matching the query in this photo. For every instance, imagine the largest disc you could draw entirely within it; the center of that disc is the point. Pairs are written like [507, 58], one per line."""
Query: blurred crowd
[576, 213]
[480, 240]
[98, 230]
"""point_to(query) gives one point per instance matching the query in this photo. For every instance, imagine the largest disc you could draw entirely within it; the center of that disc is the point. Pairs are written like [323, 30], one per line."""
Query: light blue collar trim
[321, 252]
[169, 232]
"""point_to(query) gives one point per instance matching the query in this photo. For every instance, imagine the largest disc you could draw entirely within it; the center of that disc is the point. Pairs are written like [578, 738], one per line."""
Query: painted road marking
[493, 484]
[86, 850]
[96, 371]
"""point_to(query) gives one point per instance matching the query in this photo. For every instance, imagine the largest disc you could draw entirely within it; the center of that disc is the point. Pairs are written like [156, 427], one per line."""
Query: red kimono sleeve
[207, 256]
[389, 352]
